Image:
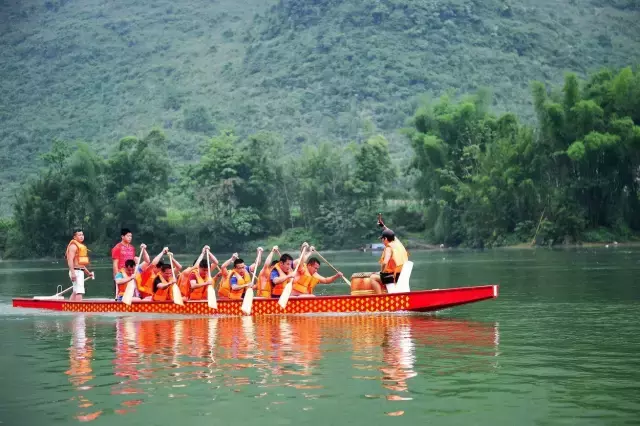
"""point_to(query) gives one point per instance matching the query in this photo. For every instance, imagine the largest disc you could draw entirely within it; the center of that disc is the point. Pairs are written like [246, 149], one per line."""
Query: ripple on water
[549, 354]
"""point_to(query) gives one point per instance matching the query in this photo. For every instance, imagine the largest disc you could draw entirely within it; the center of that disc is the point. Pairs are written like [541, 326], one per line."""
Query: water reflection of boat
[126, 364]
[265, 355]
[80, 371]
[395, 341]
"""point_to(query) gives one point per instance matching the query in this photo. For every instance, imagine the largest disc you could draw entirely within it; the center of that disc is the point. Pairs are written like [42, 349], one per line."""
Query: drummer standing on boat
[77, 256]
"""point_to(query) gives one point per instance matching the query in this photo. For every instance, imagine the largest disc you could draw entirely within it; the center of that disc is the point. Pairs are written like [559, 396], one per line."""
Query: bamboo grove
[476, 179]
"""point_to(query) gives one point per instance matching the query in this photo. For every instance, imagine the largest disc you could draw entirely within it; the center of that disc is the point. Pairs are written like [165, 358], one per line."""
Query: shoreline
[105, 262]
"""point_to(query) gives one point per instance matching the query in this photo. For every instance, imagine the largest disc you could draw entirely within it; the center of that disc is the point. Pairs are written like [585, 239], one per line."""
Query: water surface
[559, 346]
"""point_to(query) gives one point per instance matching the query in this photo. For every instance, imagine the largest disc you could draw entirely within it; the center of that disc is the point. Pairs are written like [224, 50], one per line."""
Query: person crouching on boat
[391, 261]
[77, 255]
[308, 276]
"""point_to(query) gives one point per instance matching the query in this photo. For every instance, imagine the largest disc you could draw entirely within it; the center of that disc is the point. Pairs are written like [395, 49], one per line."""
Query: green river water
[560, 345]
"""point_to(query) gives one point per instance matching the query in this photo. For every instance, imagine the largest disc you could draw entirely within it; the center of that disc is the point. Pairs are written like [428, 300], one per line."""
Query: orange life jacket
[277, 289]
[199, 293]
[399, 257]
[82, 254]
[225, 287]
[162, 294]
[304, 282]
[145, 285]
[123, 287]
[184, 285]
[264, 283]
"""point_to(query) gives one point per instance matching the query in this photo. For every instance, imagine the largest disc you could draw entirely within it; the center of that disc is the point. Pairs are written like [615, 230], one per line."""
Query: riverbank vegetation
[308, 70]
[473, 178]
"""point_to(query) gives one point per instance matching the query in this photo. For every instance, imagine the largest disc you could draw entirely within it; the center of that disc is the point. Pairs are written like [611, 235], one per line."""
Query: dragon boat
[361, 300]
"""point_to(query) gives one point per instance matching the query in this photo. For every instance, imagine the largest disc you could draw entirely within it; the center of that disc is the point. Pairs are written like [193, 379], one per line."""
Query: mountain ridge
[309, 70]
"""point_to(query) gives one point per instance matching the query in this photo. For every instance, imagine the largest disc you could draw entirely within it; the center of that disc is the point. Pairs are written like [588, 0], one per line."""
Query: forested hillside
[311, 71]
[474, 178]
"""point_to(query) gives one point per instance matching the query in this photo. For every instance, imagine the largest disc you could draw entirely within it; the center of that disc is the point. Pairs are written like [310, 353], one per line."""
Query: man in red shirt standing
[122, 251]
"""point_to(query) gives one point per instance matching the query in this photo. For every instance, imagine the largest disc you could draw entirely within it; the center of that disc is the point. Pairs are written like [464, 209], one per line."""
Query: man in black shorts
[391, 261]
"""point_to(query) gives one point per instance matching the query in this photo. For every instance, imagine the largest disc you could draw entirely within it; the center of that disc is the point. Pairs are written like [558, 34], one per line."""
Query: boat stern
[433, 300]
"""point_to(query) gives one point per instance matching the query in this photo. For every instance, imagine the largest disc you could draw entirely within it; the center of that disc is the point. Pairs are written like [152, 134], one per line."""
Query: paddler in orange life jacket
[143, 277]
[308, 276]
[77, 255]
[162, 282]
[148, 276]
[236, 281]
[200, 279]
[160, 277]
[280, 274]
[391, 261]
[263, 281]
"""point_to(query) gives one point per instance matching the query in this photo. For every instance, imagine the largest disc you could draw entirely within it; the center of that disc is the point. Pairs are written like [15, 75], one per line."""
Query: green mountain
[310, 70]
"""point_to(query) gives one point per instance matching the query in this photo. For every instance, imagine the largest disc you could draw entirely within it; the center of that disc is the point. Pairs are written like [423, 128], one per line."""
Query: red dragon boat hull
[414, 301]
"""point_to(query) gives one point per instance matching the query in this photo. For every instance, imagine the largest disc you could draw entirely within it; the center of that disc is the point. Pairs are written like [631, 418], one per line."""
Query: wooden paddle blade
[247, 301]
[177, 296]
[211, 297]
[402, 285]
[284, 297]
[128, 293]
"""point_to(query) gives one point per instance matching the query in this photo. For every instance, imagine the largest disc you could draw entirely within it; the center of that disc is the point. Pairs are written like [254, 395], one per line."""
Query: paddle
[131, 285]
[212, 302]
[288, 288]
[59, 294]
[175, 290]
[248, 295]
[331, 266]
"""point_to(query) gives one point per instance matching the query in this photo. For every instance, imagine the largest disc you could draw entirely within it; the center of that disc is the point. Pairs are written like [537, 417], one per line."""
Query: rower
[263, 279]
[163, 277]
[237, 280]
[77, 255]
[308, 277]
[200, 280]
[281, 272]
[125, 275]
[149, 274]
[143, 277]
[161, 284]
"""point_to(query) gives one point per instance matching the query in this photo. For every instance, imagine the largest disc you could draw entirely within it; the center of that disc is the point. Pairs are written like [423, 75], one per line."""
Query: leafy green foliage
[483, 178]
[307, 70]
[241, 190]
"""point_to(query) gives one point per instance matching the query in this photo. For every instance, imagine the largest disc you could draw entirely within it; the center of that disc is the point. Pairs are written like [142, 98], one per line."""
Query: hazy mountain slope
[332, 57]
[309, 69]
[100, 70]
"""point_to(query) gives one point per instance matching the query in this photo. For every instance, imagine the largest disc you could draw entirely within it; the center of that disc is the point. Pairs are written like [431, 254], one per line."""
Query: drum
[361, 284]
